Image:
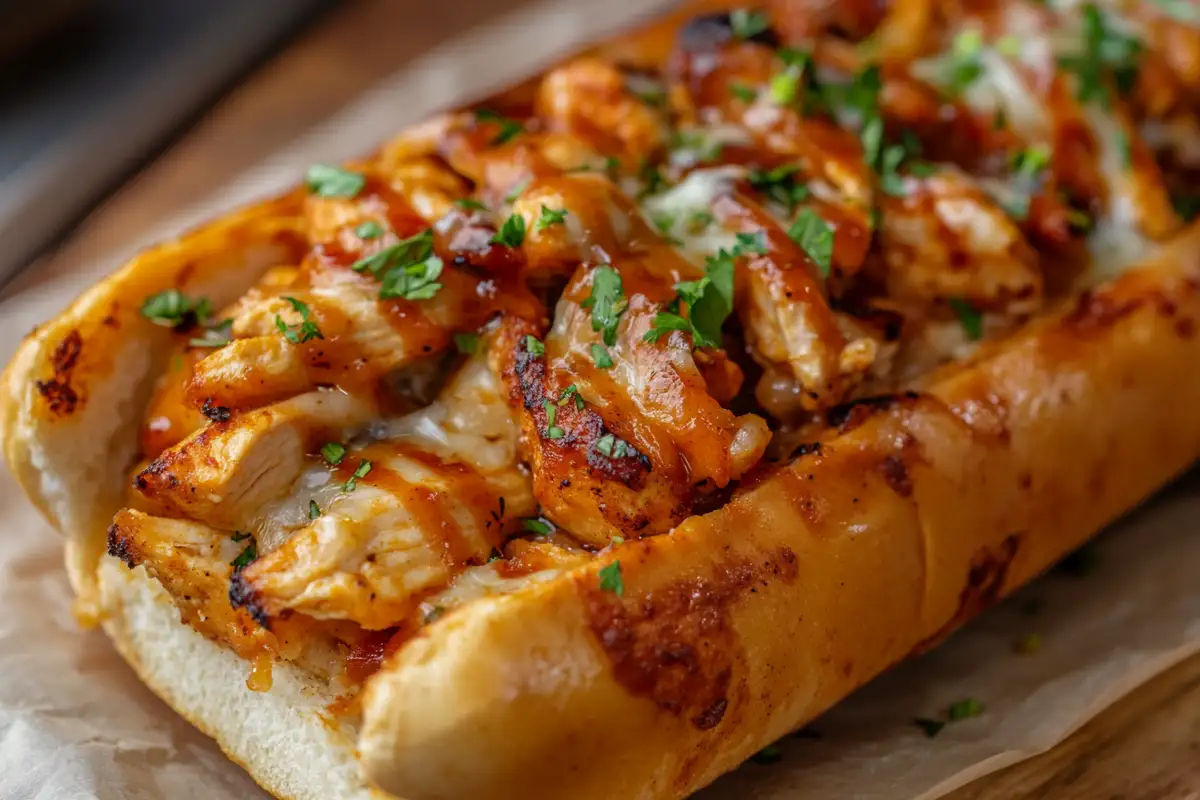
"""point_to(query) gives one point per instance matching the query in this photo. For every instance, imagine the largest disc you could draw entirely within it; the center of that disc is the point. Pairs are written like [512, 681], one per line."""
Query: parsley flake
[600, 357]
[362, 471]
[969, 316]
[470, 204]
[552, 430]
[314, 510]
[248, 555]
[534, 346]
[324, 180]
[611, 579]
[815, 238]
[507, 128]
[333, 453]
[172, 309]
[538, 525]
[369, 230]
[964, 709]
[612, 447]
[747, 23]
[747, 94]
[780, 184]
[606, 302]
[1109, 58]
[305, 331]
[467, 343]
[511, 233]
[550, 217]
[568, 393]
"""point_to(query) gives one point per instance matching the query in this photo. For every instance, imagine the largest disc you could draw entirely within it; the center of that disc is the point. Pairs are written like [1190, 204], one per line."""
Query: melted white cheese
[683, 207]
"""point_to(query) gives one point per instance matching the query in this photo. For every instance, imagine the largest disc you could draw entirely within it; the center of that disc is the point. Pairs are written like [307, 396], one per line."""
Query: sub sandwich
[583, 442]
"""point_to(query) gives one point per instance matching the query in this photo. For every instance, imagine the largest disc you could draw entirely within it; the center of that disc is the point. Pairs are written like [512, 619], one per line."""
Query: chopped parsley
[568, 393]
[797, 81]
[217, 335]
[1027, 167]
[363, 470]
[248, 555]
[417, 281]
[507, 128]
[305, 331]
[552, 430]
[534, 346]
[467, 343]
[606, 302]
[964, 67]
[612, 447]
[780, 184]
[600, 357]
[755, 242]
[969, 317]
[747, 23]
[709, 302]
[470, 204]
[511, 233]
[538, 525]
[408, 269]
[369, 230]
[172, 309]
[550, 217]
[324, 180]
[1108, 56]
[747, 94]
[931, 727]
[815, 238]
[611, 580]
[314, 510]
[964, 709]
[333, 453]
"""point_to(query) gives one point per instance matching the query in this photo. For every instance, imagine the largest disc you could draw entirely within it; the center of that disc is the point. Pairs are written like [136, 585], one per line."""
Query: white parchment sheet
[76, 723]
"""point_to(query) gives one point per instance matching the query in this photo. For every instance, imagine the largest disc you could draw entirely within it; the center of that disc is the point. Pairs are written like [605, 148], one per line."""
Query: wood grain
[1146, 747]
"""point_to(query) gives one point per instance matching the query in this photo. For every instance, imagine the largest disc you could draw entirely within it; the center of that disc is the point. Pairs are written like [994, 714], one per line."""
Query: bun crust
[744, 623]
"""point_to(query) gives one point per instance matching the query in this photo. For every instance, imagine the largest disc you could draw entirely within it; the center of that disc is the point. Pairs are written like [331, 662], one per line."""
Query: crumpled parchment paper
[76, 723]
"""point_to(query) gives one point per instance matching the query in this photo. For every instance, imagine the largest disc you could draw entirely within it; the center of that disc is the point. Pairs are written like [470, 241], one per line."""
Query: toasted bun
[72, 396]
[744, 623]
[285, 738]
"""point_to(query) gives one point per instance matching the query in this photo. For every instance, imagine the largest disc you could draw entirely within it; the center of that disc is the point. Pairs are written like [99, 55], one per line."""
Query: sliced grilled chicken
[226, 472]
[945, 238]
[403, 516]
[192, 562]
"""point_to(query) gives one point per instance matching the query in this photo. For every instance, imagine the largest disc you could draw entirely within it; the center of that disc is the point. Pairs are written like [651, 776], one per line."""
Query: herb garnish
[511, 233]
[369, 230]
[247, 555]
[467, 343]
[538, 525]
[970, 317]
[600, 357]
[324, 180]
[1027, 166]
[780, 184]
[333, 453]
[172, 309]
[746, 23]
[964, 709]
[612, 447]
[606, 302]
[306, 330]
[815, 238]
[314, 510]
[611, 579]
[1107, 54]
[709, 301]
[363, 470]
[571, 391]
[741, 91]
[552, 430]
[470, 204]
[508, 128]
[550, 217]
[534, 346]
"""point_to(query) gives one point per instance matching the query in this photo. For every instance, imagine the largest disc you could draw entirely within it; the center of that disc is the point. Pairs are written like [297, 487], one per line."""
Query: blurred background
[114, 114]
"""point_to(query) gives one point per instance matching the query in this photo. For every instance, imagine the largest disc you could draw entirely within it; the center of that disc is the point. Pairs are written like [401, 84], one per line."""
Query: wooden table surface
[1146, 747]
